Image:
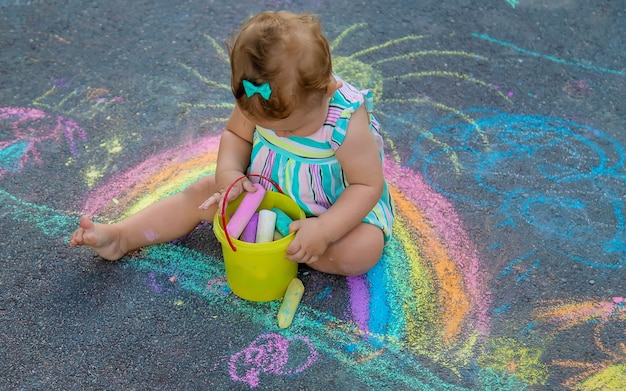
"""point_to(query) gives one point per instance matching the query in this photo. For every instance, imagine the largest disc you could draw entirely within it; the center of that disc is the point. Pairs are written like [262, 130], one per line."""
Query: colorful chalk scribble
[269, 354]
[427, 305]
[57, 117]
[607, 318]
[25, 129]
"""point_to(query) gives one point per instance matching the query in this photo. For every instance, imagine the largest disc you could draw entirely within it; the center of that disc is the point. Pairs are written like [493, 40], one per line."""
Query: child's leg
[163, 221]
[355, 253]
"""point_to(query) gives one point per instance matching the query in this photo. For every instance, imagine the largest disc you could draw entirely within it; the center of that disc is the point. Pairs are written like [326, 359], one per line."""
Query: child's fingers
[248, 185]
[214, 199]
[293, 247]
[301, 256]
[294, 226]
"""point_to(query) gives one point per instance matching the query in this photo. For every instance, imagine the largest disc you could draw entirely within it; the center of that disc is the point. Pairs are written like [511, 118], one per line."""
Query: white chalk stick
[267, 225]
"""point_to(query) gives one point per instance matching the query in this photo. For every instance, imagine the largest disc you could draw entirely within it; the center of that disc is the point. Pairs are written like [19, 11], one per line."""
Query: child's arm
[233, 158]
[360, 160]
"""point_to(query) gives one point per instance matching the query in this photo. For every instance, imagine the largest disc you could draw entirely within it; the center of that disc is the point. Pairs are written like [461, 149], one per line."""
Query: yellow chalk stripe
[452, 297]
[443, 107]
[218, 48]
[386, 44]
[612, 378]
[431, 53]
[204, 79]
[162, 184]
[418, 305]
[344, 33]
[455, 75]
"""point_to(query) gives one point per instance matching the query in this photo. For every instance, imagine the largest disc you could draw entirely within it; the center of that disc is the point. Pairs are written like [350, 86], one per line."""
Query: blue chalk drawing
[557, 60]
[563, 180]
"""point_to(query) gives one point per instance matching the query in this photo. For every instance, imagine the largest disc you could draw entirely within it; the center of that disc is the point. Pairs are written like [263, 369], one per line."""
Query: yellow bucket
[258, 271]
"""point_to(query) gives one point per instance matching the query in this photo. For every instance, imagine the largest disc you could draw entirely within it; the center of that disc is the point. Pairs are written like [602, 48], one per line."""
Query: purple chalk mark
[150, 235]
[61, 83]
[268, 353]
[154, 284]
[359, 301]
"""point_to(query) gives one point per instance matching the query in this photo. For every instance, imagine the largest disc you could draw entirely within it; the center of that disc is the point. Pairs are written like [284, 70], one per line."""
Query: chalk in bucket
[257, 271]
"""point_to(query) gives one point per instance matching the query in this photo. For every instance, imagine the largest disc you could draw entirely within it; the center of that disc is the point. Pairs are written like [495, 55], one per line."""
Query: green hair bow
[264, 89]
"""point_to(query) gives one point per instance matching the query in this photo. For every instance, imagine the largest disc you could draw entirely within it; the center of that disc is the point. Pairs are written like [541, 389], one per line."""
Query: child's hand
[218, 197]
[310, 241]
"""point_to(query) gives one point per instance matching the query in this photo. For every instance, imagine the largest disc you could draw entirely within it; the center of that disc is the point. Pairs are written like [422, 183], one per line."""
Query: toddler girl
[297, 123]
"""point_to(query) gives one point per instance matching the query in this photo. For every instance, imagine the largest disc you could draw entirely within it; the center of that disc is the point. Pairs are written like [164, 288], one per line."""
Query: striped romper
[306, 167]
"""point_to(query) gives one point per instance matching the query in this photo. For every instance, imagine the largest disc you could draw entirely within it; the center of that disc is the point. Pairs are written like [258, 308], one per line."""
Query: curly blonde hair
[286, 50]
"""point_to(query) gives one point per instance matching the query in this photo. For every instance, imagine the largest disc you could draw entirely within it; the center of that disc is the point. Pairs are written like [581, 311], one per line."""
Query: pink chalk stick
[249, 233]
[245, 211]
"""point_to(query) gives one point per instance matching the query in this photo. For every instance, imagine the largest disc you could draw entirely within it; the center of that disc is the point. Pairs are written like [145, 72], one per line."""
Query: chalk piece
[277, 236]
[244, 212]
[249, 233]
[266, 226]
[288, 307]
[282, 221]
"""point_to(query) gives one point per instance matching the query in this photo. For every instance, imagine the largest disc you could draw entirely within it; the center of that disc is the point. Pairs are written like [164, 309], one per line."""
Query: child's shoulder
[351, 97]
[347, 95]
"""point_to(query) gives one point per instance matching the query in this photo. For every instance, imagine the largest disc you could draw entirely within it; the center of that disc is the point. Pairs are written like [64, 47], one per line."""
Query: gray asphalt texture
[504, 122]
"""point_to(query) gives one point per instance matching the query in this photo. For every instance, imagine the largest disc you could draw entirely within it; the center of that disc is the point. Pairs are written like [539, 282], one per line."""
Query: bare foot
[104, 239]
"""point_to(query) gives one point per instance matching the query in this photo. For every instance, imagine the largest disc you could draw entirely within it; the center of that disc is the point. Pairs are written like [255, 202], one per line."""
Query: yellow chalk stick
[290, 303]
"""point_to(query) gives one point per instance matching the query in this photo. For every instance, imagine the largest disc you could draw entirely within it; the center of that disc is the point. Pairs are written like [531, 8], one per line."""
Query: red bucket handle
[223, 209]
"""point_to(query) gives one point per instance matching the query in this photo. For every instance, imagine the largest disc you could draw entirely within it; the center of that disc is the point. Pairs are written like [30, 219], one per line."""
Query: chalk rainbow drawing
[399, 302]
[428, 296]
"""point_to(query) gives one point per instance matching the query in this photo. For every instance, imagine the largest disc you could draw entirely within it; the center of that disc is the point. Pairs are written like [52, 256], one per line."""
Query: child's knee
[202, 188]
[361, 251]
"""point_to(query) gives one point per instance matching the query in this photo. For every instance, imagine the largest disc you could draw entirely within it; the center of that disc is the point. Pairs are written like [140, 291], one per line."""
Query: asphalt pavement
[504, 129]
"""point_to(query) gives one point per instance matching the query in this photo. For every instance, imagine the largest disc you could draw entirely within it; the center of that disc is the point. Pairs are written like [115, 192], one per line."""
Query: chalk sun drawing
[370, 74]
